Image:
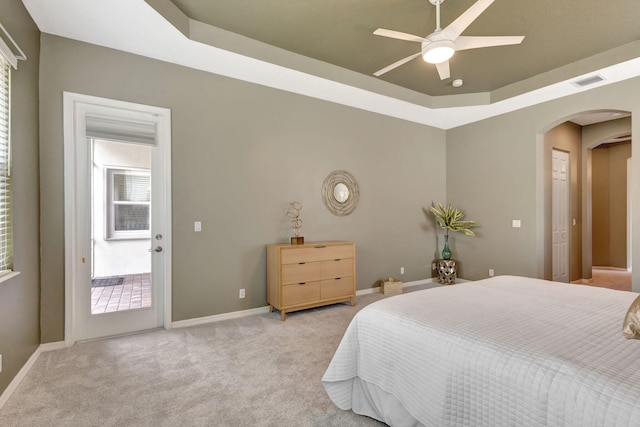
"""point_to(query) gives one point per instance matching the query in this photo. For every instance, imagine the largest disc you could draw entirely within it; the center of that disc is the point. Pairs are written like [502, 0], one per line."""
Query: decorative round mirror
[340, 193]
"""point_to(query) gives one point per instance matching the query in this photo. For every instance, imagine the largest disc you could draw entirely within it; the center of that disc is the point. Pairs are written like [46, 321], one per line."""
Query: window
[128, 203]
[6, 214]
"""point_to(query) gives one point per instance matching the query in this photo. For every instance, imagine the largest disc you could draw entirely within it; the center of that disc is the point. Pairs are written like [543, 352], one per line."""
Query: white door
[91, 124]
[560, 215]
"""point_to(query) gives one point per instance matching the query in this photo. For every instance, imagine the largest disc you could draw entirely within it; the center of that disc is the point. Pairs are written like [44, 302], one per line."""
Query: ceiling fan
[439, 46]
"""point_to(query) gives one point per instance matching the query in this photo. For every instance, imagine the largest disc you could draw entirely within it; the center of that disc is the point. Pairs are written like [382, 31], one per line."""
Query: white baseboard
[377, 288]
[219, 317]
[262, 310]
[407, 284]
[22, 373]
[52, 346]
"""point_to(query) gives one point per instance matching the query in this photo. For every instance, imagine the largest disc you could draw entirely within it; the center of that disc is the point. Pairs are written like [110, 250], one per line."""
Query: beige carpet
[611, 278]
[253, 371]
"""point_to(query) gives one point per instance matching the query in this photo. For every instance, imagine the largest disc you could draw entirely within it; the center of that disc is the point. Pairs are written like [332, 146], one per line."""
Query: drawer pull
[320, 247]
[302, 283]
[337, 259]
[302, 263]
[338, 278]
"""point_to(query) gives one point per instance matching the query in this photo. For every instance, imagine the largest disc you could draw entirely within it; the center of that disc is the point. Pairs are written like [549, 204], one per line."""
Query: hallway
[607, 277]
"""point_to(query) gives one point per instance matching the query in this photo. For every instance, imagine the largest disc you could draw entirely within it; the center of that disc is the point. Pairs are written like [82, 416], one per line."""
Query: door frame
[74, 105]
[566, 215]
[629, 214]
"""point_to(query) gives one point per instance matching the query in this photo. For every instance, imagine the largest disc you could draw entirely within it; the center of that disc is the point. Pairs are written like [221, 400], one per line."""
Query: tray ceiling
[557, 34]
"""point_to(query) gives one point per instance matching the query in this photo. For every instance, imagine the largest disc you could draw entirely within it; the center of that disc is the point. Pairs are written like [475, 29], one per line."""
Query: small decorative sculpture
[296, 222]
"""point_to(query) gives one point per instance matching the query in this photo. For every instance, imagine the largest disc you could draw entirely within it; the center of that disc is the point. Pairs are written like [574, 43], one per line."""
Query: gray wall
[20, 296]
[495, 170]
[242, 152]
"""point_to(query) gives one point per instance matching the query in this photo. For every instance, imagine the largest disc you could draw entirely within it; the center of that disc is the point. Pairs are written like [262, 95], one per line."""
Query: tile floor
[135, 292]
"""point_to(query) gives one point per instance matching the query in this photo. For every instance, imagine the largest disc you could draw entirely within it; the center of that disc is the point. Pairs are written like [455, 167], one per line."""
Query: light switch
[197, 226]
[516, 223]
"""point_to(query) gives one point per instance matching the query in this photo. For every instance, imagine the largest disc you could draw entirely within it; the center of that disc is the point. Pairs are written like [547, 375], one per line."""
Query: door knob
[157, 249]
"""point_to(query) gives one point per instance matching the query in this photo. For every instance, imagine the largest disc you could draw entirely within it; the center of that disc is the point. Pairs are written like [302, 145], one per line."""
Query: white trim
[6, 51]
[52, 346]
[8, 276]
[74, 105]
[406, 285]
[377, 288]
[629, 214]
[22, 373]
[263, 310]
[219, 317]
[163, 131]
[141, 30]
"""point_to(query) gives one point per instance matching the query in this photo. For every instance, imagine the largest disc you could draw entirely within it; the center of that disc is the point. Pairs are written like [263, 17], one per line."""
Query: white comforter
[506, 351]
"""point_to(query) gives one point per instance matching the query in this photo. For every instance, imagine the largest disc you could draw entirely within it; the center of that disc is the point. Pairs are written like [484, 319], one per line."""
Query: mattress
[506, 351]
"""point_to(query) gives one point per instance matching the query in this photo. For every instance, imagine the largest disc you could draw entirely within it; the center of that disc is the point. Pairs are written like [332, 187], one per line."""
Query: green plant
[451, 219]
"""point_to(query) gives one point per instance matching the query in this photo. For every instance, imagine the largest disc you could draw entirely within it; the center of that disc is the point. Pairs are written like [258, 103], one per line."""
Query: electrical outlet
[0, 363]
[401, 270]
[491, 272]
[241, 293]
[197, 226]
[433, 266]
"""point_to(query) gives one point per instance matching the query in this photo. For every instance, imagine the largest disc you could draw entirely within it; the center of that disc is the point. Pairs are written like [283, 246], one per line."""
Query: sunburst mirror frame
[330, 194]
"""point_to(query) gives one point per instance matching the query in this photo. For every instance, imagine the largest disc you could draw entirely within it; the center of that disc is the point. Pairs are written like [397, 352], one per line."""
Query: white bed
[506, 351]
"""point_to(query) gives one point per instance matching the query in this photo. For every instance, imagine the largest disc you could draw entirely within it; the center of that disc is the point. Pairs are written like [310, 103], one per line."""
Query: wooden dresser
[310, 275]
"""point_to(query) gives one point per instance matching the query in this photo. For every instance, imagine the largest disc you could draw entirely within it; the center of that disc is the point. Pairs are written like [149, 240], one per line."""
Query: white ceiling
[135, 26]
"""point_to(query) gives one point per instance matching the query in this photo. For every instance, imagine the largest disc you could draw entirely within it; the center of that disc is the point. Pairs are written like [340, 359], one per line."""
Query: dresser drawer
[310, 275]
[301, 272]
[336, 268]
[300, 294]
[316, 253]
[336, 288]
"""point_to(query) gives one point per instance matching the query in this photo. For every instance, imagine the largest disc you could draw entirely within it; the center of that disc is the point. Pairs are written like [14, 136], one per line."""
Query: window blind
[129, 203]
[6, 211]
[131, 187]
[119, 130]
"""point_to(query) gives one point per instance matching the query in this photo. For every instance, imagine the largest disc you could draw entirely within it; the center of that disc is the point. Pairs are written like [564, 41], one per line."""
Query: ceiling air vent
[588, 81]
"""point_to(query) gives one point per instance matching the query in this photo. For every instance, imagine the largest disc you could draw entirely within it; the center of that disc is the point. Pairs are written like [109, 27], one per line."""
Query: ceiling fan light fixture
[438, 52]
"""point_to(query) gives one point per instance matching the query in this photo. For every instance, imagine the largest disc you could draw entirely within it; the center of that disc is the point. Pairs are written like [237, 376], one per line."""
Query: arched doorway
[578, 135]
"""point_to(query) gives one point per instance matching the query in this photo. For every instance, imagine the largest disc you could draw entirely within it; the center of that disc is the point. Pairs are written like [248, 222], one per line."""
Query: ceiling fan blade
[398, 35]
[443, 70]
[464, 43]
[396, 64]
[456, 28]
